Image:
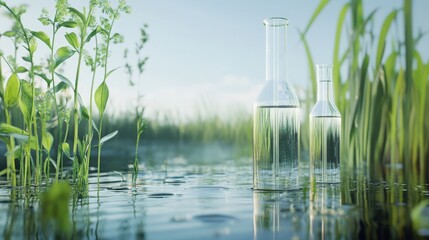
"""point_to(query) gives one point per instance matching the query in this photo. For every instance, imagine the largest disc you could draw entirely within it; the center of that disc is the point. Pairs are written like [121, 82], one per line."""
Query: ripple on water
[160, 195]
[215, 218]
[181, 218]
[174, 181]
[118, 188]
[208, 187]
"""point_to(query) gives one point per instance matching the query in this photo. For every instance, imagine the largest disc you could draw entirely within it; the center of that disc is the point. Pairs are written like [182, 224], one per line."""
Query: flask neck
[324, 91]
[324, 83]
[275, 33]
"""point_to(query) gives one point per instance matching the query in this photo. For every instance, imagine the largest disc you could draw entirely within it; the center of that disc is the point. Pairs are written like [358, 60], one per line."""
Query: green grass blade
[320, 7]
[382, 37]
[336, 63]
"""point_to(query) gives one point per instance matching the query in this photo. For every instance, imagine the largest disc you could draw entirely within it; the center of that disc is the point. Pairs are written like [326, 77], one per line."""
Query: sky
[211, 54]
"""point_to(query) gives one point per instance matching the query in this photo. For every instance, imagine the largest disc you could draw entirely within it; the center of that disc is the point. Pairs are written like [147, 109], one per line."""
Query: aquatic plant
[141, 122]
[45, 110]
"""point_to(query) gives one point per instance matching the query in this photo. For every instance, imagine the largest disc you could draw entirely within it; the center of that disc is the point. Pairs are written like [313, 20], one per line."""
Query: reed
[382, 100]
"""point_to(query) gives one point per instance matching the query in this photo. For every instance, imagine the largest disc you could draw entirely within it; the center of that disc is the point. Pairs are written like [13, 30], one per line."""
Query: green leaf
[11, 95]
[65, 80]
[33, 45]
[92, 34]
[382, 38]
[52, 161]
[63, 54]
[111, 71]
[43, 37]
[73, 40]
[107, 137]
[82, 109]
[44, 77]
[101, 96]
[26, 58]
[21, 69]
[95, 127]
[26, 100]
[4, 171]
[8, 129]
[4, 139]
[60, 86]
[68, 24]
[336, 61]
[320, 7]
[9, 34]
[47, 140]
[66, 149]
[16, 152]
[77, 13]
[21, 137]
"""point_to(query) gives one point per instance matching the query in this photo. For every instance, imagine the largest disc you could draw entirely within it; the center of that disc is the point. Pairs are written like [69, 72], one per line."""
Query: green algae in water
[276, 144]
[325, 149]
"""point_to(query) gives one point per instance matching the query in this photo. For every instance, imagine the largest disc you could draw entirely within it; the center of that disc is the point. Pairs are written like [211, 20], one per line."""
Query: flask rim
[276, 21]
[318, 66]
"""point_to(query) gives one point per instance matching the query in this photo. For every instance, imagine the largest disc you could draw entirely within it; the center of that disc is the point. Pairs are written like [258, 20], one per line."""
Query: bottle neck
[324, 91]
[275, 51]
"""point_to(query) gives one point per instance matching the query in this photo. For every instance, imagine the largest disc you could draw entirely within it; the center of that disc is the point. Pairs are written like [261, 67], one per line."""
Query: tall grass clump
[38, 116]
[380, 89]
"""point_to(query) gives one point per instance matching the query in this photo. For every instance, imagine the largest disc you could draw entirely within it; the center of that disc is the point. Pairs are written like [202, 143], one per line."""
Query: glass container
[325, 131]
[275, 122]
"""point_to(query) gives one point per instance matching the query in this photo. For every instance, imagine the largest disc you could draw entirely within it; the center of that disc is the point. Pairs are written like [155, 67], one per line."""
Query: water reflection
[327, 217]
[278, 215]
[216, 201]
[298, 215]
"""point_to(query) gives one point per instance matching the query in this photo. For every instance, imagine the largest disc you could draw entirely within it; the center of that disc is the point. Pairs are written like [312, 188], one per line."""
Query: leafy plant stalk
[31, 122]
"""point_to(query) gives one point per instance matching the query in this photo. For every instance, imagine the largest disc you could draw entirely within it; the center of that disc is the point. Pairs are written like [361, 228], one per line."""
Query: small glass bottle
[276, 125]
[325, 131]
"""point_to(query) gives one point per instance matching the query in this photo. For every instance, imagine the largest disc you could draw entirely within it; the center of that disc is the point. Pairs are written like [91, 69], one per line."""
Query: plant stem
[102, 113]
[91, 92]
[99, 150]
[75, 114]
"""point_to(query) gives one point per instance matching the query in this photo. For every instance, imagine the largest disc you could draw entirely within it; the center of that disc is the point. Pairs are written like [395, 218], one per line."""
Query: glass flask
[325, 131]
[275, 120]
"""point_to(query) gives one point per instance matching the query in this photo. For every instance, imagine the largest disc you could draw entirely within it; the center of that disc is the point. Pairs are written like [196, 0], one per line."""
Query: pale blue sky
[215, 50]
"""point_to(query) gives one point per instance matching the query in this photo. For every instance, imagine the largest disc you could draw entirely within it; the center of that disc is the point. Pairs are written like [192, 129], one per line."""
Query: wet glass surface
[215, 201]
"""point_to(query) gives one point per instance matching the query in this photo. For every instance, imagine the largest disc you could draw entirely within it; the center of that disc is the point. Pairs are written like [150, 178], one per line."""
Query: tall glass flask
[275, 122]
[325, 131]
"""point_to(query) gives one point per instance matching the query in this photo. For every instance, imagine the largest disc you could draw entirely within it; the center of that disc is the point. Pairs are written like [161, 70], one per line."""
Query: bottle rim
[324, 66]
[276, 21]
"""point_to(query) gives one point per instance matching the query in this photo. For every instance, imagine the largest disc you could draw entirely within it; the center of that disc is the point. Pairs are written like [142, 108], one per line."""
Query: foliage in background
[382, 92]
